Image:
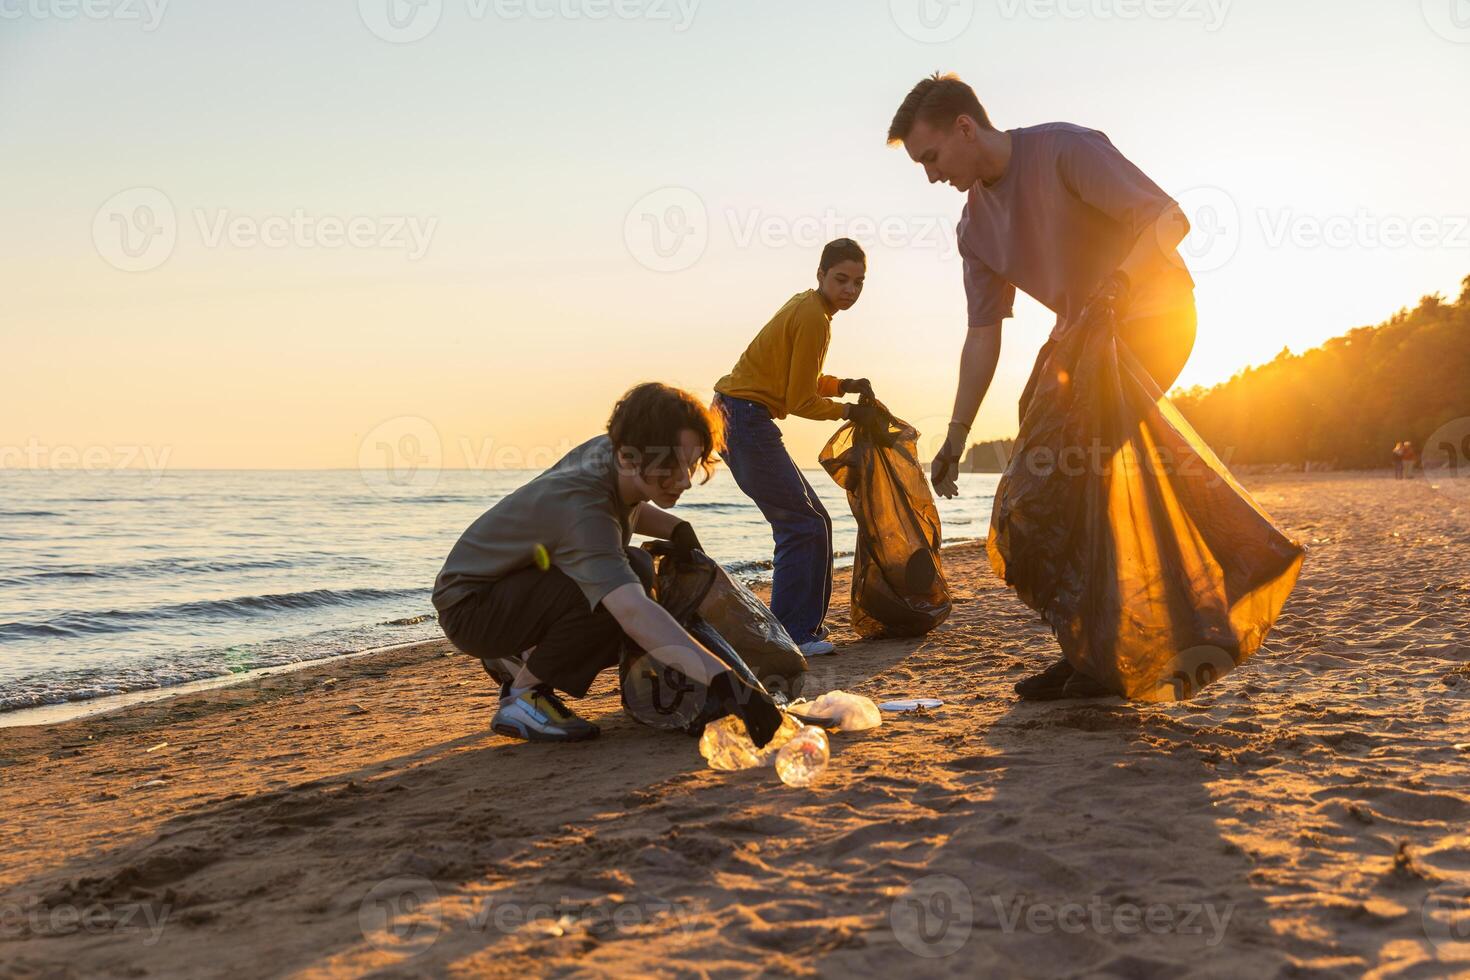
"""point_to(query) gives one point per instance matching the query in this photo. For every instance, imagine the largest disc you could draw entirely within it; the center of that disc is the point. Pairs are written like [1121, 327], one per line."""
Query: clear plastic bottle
[726, 745]
[804, 758]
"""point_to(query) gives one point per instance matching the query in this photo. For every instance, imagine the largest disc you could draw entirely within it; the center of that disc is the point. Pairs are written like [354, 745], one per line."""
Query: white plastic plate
[909, 704]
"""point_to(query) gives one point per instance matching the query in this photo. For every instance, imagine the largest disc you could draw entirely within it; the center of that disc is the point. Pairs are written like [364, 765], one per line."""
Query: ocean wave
[168, 566]
[435, 498]
[82, 622]
[745, 568]
[717, 506]
[52, 686]
[410, 620]
[29, 513]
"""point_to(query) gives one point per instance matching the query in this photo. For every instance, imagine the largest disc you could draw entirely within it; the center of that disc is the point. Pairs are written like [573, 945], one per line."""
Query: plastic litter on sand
[910, 704]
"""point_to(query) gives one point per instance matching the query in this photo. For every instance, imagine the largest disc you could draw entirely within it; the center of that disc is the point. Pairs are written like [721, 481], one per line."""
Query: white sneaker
[538, 715]
[816, 648]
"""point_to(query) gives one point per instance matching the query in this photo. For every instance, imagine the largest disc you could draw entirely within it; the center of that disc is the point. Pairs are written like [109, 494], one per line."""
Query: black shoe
[1048, 685]
[1079, 685]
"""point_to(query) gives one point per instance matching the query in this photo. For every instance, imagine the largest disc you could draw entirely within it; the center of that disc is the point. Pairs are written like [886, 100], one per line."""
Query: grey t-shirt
[1064, 215]
[572, 510]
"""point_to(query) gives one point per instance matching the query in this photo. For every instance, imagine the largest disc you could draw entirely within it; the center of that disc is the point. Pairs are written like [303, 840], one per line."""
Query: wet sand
[1306, 815]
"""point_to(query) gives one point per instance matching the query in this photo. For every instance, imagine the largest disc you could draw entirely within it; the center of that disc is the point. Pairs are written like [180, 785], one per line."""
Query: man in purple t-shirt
[1056, 211]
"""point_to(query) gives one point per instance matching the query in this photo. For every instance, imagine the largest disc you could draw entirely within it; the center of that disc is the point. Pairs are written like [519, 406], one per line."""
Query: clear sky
[286, 234]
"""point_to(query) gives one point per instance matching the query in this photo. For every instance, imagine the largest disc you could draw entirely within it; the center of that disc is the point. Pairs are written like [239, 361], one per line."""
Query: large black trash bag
[1114, 520]
[898, 586]
[699, 594]
[700, 589]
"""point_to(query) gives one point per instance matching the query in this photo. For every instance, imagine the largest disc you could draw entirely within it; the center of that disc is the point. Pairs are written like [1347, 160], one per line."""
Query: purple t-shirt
[1064, 215]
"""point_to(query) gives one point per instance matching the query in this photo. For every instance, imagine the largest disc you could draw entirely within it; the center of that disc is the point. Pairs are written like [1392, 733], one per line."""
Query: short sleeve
[591, 554]
[990, 298]
[1093, 169]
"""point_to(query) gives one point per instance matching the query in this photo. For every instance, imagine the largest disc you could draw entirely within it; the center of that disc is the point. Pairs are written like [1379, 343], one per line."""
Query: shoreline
[64, 711]
[60, 712]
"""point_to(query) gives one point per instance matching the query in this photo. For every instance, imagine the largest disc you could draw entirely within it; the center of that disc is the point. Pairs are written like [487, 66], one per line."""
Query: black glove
[1115, 290]
[945, 468]
[684, 542]
[864, 415]
[751, 705]
[855, 386]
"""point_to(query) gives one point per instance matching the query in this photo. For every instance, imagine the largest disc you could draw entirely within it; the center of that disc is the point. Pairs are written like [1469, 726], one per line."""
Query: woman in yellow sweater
[780, 374]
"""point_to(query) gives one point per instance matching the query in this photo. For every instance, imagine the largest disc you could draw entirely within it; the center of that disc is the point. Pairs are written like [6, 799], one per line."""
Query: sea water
[121, 581]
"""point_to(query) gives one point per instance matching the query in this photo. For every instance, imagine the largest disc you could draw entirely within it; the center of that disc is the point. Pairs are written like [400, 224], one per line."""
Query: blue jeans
[801, 588]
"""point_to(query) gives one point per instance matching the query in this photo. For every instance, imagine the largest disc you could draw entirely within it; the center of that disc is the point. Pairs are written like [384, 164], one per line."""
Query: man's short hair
[648, 420]
[938, 100]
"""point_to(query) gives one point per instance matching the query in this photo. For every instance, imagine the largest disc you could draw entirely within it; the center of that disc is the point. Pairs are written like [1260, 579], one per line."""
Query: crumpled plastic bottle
[804, 758]
[850, 712]
[726, 745]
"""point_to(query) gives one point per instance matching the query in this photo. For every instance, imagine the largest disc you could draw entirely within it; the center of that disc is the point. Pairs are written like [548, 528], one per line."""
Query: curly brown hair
[650, 416]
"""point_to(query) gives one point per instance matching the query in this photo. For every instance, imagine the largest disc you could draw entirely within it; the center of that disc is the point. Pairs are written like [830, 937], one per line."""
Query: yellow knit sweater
[782, 367]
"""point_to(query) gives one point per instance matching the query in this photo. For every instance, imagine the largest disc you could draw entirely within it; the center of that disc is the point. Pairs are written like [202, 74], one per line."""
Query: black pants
[547, 611]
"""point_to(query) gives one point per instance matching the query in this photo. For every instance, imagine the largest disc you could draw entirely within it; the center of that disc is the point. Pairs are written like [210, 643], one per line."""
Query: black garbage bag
[701, 588]
[1155, 569]
[658, 693]
[898, 586]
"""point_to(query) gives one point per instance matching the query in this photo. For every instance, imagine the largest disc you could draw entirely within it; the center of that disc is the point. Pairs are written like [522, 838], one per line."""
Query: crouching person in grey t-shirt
[544, 589]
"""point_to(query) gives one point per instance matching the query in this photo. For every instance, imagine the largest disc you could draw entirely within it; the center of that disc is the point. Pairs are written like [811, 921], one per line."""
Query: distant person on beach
[1411, 459]
[544, 589]
[1056, 211]
[780, 374]
[1398, 461]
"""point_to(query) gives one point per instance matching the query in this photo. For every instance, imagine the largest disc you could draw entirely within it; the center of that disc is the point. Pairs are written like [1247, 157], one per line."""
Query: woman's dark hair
[649, 418]
[842, 250]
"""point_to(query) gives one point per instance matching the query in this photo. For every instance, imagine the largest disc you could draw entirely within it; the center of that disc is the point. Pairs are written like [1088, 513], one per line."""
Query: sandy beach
[1305, 816]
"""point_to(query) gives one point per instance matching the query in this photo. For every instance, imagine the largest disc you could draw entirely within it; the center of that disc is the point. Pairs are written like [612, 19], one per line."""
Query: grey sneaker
[538, 715]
